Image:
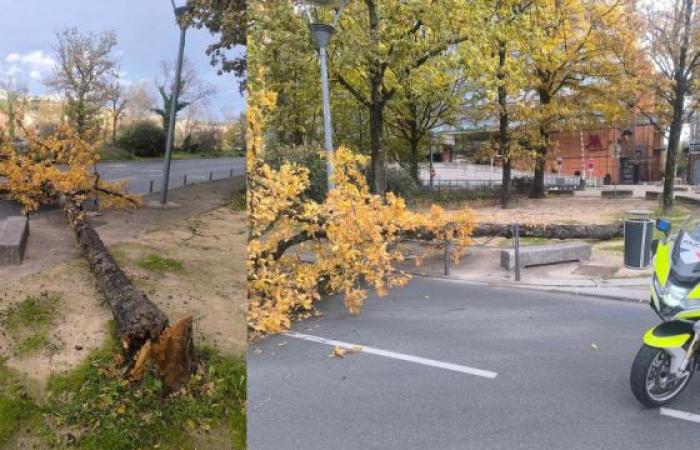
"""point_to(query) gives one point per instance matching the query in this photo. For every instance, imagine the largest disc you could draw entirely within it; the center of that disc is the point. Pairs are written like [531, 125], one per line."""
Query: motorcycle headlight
[669, 296]
[675, 296]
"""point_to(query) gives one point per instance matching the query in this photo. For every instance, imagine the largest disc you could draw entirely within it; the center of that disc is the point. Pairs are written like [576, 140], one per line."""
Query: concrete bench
[619, 193]
[537, 255]
[561, 192]
[13, 240]
[652, 195]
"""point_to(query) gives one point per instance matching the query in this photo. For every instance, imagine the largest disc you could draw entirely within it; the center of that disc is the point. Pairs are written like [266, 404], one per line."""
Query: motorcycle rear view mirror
[664, 226]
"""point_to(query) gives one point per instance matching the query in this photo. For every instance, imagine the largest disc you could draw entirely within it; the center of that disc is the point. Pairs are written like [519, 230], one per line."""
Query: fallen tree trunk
[594, 232]
[140, 325]
[553, 231]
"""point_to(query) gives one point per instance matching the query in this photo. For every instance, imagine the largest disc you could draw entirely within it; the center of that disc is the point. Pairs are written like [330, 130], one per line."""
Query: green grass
[110, 153]
[616, 246]
[96, 399]
[239, 200]
[157, 263]
[32, 312]
[17, 410]
[35, 343]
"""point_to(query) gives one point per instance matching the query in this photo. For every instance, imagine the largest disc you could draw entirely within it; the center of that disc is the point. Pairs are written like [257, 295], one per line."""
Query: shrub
[205, 140]
[144, 139]
[400, 182]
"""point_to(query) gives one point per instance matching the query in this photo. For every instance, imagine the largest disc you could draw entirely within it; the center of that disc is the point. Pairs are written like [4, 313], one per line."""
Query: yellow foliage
[351, 240]
[50, 170]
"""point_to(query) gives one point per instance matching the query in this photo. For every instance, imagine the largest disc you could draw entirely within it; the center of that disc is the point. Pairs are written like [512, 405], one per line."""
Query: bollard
[516, 248]
[230, 173]
[185, 183]
[150, 187]
[211, 176]
[447, 257]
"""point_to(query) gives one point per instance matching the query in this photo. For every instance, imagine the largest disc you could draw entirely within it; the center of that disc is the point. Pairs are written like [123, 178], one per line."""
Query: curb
[550, 289]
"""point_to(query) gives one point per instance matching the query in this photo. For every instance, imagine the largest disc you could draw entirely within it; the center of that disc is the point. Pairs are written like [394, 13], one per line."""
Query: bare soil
[210, 286]
[578, 209]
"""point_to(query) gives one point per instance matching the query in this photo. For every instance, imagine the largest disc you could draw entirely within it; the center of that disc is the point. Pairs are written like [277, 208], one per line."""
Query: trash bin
[639, 231]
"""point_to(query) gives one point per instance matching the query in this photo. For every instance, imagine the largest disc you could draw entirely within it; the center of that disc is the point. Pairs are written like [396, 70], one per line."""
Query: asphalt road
[138, 174]
[553, 390]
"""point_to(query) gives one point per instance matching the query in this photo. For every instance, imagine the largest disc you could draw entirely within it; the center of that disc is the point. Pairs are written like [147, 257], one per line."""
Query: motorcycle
[668, 358]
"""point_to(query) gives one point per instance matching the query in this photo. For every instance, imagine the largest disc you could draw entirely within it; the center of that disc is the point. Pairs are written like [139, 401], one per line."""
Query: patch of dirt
[580, 209]
[210, 287]
[80, 327]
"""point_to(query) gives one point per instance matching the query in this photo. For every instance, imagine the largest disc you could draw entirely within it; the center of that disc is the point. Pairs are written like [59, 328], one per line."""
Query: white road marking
[680, 415]
[394, 355]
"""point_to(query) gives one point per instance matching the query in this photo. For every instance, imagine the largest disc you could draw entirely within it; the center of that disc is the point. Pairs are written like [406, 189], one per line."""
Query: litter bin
[639, 230]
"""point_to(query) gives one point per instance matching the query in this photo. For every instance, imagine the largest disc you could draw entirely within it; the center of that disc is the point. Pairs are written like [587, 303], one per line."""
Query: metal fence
[456, 185]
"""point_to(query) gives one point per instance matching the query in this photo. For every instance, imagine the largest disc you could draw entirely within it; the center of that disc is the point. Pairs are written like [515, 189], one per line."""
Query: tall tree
[139, 101]
[193, 89]
[672, 43]
[227, 20]
[574, 50]
[117, 103]
[428, 97]
[377, 41]
[83, 73]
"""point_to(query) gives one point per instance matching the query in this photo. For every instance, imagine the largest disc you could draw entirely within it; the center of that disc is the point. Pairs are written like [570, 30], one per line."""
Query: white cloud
[37, 60]
[32, 65]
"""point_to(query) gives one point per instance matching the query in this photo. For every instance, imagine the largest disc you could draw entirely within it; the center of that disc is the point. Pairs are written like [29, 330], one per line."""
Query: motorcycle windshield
[686, 251]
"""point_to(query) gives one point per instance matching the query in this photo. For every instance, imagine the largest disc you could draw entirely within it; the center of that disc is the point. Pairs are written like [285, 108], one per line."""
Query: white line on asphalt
[394, 355]
[680, 415]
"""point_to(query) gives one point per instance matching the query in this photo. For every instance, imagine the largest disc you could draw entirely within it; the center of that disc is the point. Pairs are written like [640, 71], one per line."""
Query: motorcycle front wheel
[650, 378]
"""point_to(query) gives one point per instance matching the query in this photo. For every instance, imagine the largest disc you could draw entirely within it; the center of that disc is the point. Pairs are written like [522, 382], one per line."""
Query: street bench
[619, 193]
[14, 231]
[538, 255]
[561, 192]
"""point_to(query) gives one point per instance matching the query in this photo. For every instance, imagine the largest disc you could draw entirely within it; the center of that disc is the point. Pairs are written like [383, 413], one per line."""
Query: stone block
[537, 255]
[14, 232]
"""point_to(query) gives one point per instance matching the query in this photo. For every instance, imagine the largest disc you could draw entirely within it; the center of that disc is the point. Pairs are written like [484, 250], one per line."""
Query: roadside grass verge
[112, 414]
[93, 407]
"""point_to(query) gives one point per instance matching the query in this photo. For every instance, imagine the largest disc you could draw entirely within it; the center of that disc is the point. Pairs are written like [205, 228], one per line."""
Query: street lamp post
[321, 33]
[180, 11]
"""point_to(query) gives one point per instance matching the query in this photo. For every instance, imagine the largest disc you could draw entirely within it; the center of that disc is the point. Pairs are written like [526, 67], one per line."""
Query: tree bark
[537, 188]
[553, 231]
[140, 325]
[503, 124]
[680, 91]
[376, 120]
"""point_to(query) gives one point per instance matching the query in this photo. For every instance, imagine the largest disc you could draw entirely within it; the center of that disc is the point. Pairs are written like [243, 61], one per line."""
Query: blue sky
[146, 33]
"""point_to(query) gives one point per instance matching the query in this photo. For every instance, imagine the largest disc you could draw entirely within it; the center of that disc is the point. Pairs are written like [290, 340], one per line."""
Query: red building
[628, 156]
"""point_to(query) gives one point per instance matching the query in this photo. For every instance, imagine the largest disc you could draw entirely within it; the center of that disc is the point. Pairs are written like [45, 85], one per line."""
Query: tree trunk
[140, 325]
[553, 231]
[537, 188]
[114, 130]
[671, 152]
[503, 123]
[376, 121]
[680, 90]
[414, 143]
[376, 105]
